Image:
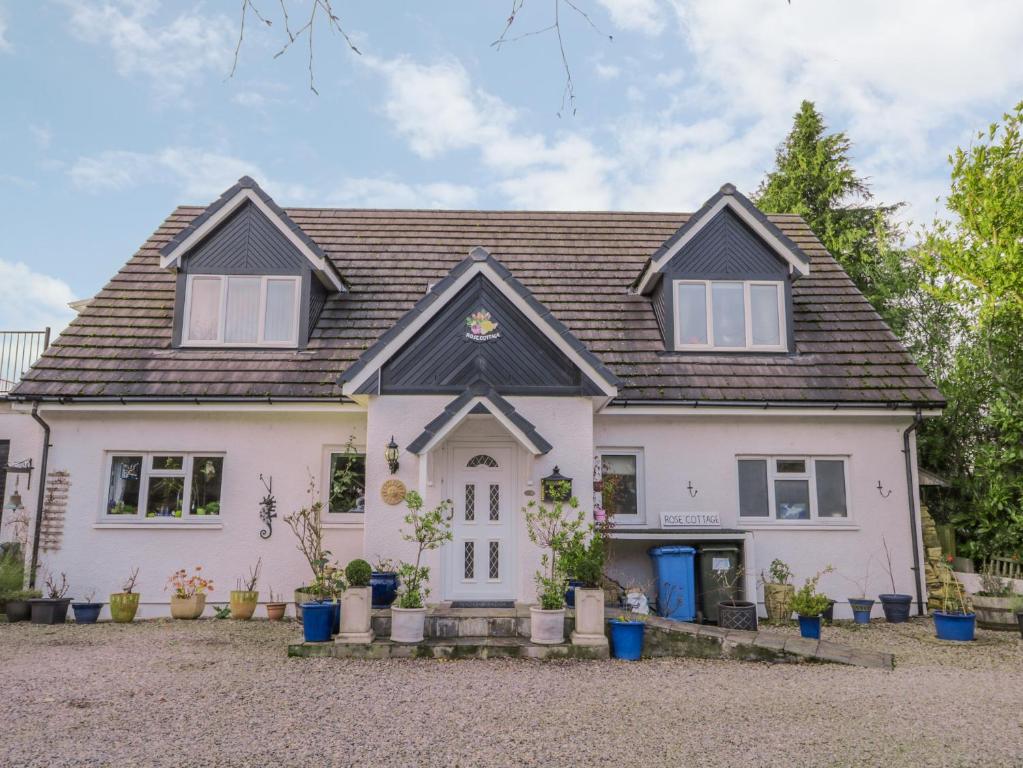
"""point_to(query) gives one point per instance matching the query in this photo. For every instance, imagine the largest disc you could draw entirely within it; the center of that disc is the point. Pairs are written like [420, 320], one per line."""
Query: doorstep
[449, 648]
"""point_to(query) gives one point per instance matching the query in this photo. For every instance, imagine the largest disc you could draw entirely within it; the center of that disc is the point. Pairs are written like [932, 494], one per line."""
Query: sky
[116, 111]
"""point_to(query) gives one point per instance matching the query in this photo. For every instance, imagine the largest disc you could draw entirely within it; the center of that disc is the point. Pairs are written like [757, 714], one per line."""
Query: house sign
[690, 520]
[481, 327]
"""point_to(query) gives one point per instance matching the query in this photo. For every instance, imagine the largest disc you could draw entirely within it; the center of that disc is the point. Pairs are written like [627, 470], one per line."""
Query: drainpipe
[917, 421]
[42, 495]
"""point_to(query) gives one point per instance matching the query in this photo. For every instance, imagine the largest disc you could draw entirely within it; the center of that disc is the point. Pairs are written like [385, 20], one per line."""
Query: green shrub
[807, 600]
[358, 573]
[12, 574]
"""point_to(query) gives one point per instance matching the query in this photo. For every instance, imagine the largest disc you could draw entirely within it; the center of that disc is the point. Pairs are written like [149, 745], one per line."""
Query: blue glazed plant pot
[385, 588]
[960, 627]
[336, 627]
[86, 613]
[896, 607]
[810, 627]
[861, 609]
[570, 592]
[627, 639]
[317, 621]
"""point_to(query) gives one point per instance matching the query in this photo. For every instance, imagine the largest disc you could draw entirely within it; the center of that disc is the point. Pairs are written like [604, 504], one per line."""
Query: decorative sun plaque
[393, 491]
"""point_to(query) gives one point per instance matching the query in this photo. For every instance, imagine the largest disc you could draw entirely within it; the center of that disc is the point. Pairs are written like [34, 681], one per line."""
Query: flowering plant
[189, 586]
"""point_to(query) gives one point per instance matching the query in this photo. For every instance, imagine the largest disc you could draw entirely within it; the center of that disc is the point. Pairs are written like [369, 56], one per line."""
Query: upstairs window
[729, 315]
[241, 311]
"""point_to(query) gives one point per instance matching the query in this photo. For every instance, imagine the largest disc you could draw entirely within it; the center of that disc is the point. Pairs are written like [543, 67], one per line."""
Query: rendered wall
[26, 438]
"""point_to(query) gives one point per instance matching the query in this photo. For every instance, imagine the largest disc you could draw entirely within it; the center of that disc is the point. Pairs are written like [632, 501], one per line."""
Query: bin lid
[672, 549]
[718, 548]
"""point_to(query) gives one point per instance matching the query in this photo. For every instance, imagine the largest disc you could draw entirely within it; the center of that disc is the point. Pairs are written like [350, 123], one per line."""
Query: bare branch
[246, 5]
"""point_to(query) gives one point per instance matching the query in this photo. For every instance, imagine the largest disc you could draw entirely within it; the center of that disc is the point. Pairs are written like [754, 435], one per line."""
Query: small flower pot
[318, 621]
[861, 608]
[546, 627]
[627, 639]
[243, 604]
[86, 613]
[275, 611]
[896, 607]
[737, 614]
[47, 610]
[188, 608]
[960, 627]
[385, 588]
[18, 610]
[407, 624]
[778, 601]
[356, 614]
[570, 592]
[810, 627]
[124, 606]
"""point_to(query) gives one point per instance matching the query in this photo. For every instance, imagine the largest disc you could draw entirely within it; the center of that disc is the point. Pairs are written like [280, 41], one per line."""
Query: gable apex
[730, 199]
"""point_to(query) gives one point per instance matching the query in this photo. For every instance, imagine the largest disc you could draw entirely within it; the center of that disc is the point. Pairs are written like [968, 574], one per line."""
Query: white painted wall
[26, 438]
[287, 445]
[703, 450]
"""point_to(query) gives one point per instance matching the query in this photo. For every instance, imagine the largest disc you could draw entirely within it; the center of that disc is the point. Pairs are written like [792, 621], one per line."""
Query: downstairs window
[792, 489]
[165, 486]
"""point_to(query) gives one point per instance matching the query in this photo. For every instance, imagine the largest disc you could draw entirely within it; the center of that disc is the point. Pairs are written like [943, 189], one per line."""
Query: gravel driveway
[221, 693]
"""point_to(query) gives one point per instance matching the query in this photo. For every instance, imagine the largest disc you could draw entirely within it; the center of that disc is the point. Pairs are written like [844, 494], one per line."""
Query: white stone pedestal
[589, 617]
[356, 626]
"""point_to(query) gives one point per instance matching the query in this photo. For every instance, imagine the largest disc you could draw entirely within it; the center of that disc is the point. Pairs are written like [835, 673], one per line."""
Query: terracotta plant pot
[187, 607]
[778, 601]
[275, 611]
[123, 606]
[589, 617]
[407, 624]
[356, 614]
[546, 627]
[243, 604]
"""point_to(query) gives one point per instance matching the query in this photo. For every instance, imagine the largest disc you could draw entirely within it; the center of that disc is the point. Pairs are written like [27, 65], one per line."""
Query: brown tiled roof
[580, 265]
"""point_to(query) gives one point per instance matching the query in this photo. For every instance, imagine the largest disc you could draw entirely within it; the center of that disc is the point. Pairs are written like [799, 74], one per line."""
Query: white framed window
[164, 485]
[622, 484]
[241, 311]
[793, 489]
[730, 315]
[345, 488]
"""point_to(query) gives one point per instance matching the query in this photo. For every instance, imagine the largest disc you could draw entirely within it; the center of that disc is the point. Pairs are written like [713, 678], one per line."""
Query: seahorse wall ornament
[267, 508]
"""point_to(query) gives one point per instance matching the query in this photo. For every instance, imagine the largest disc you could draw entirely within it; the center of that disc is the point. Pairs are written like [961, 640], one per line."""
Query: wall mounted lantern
[391, 454]
[556, 487]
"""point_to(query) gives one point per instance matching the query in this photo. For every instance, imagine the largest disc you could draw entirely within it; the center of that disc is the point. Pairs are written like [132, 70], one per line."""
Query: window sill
[161, 526]
[786, 526]
[354, 525]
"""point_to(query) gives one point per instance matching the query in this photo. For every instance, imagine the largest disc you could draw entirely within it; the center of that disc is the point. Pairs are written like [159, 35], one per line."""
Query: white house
[719, 372]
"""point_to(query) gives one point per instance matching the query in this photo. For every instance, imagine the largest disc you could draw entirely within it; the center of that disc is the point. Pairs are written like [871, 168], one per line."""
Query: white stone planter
[589, 617]
[407, 624]
[356, 604]
[546, 627]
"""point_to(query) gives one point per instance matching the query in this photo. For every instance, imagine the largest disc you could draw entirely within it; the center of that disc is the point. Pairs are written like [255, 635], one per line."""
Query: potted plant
[734, 613]
[895, 606]
[627, 633]
[778, 591]
[357, 604]
[51, 609]
[275, 607]
[19, 607]
[862, 605]
[318, 621]
[549, 529]
[809, 604]
[955, 620]
[189, 598]
[384, 582]
[245, 598]
[87, 611]
[583, 558]
[993, 602]
[428, 531]
[124, 604]
[1016, 603]
[307, 526]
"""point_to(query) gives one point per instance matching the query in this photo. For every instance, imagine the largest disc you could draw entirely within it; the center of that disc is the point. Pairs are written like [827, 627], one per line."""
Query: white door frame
[454, 588]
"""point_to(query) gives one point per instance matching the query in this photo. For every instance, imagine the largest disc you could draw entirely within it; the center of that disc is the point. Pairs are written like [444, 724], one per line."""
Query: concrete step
[446, 622]
[449, 648]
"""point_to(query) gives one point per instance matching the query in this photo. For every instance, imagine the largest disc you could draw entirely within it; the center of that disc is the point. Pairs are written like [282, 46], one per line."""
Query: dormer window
[730, 315]
[241, 311]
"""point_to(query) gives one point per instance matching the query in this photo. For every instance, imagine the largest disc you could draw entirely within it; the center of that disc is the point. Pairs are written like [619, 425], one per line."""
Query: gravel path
[221, 693]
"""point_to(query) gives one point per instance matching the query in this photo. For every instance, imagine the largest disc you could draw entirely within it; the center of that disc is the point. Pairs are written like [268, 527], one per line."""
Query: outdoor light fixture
[556, 487]
[391, 454]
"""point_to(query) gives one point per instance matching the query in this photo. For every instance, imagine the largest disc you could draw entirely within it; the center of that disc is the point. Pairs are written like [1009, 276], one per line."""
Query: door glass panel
[470, 502]
[495, 502]
[470, 560]
[481, 460]
[495, 559]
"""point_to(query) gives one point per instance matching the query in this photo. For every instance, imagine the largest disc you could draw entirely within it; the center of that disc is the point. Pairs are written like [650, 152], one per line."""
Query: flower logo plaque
[481, 327]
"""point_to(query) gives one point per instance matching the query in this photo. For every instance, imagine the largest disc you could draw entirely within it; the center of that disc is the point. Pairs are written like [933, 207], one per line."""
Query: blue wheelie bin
[675, 573]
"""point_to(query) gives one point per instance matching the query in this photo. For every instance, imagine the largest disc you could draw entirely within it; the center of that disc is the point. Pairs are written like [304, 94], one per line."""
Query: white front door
[481, 556]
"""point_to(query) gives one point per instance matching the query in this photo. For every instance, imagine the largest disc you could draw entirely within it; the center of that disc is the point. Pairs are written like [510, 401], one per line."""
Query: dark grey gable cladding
[459, 378]
[492, 400]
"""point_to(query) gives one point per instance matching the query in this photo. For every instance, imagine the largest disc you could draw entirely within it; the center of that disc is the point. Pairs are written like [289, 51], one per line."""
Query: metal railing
[18, 352]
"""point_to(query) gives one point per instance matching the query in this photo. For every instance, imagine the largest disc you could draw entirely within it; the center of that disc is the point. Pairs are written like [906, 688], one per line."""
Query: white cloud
[645, 16]
[30, 300]
[171, 54]
[249, 99]
[199, 175]
[388, 193]
[606, 71]
[42, 135]
[5, 44]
